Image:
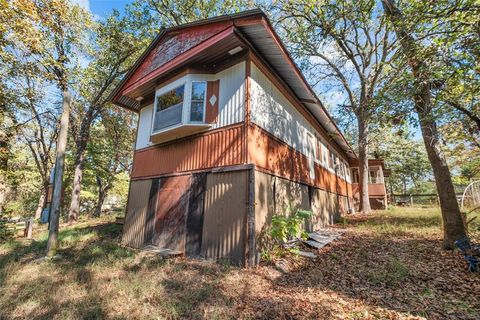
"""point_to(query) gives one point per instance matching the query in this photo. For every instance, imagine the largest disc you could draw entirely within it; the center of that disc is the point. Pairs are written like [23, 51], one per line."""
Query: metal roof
[262, 37]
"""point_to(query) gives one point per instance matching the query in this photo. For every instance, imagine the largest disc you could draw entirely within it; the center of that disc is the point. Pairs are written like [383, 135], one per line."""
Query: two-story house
[229, 134]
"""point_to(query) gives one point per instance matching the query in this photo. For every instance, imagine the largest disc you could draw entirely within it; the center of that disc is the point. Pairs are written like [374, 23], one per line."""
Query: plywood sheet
[195, 215]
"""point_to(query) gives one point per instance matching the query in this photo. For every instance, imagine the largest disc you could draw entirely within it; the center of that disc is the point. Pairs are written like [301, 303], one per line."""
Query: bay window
[180, 108]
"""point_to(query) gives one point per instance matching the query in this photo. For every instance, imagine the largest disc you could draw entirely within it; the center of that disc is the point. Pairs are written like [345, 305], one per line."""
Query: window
[331, 162]
[311, 154]
[355, 177]
[197, 106]
[374, 176]
[324, 155]
[318, 154]
[169, 108]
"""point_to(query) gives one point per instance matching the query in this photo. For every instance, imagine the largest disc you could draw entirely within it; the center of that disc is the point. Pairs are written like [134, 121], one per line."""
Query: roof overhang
[212, 38]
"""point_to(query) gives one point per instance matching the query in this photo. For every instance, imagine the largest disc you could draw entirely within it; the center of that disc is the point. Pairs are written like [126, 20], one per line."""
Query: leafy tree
[345, 46]
[54, 40]
[415, 51]
[405, 157]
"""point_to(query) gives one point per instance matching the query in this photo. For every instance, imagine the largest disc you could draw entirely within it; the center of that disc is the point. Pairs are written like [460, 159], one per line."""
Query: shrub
[283, 229]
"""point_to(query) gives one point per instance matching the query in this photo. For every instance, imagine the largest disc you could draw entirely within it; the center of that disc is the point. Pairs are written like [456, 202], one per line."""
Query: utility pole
[54, 219]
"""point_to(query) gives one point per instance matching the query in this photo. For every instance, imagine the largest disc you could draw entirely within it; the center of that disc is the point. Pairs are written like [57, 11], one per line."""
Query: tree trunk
[54, 220]
[74, 209]
[42, 200]
[363, 165]
[81, 144]
[102, 195]
[453, 225]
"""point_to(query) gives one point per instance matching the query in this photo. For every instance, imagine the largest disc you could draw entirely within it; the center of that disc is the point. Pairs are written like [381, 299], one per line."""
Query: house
[377, 191]
[229, 134]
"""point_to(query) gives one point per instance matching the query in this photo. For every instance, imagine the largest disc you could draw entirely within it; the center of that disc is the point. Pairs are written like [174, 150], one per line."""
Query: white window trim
[159, 92]
[191, 82]
[186, 81]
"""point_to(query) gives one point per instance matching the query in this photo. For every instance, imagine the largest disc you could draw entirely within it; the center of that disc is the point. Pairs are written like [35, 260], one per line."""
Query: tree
[109, 152]
[345, 46]
[413, 51]
[406, 158]
[119, 41]
[114, 50]
[55, 40]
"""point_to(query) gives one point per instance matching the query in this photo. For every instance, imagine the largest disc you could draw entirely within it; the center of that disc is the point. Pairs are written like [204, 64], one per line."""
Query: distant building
[229, 134]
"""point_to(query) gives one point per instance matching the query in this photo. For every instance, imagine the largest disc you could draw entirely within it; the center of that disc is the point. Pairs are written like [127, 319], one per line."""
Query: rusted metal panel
[216, 148]
[195, 215]
[224, 228]
[151, 211]
[135, 218]
[276, 157]
[171, 214]
[171, 46]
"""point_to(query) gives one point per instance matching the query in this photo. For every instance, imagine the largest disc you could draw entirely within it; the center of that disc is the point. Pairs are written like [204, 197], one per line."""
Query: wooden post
[58, 177]
[411, 200]
[29, 228]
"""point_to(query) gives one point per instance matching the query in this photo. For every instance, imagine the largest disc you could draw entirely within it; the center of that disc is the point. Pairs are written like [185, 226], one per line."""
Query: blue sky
[102, 8]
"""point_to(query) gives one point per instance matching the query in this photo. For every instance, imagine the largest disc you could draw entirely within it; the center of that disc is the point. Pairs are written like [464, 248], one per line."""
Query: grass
[387, 265]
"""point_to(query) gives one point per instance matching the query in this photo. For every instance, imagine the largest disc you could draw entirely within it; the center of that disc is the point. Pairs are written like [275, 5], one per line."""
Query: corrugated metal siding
[325, 206]
[144, 127]
[277, 157]
[224, 229]
[232, 95]
[274, 195]
[231, 103]
[272, 111]
[222, 147]
[136, 216]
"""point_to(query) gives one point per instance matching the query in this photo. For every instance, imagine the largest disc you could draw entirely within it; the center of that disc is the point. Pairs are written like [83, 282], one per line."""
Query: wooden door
[171, 213]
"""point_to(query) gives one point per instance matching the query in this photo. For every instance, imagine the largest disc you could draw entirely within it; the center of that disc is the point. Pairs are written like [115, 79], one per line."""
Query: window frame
[191, 82]
[160, 92]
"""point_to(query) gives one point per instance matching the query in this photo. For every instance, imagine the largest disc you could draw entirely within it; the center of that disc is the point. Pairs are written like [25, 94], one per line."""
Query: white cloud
[83, 3]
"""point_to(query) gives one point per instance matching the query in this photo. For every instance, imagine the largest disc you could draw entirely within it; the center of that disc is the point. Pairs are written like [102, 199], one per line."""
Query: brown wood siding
[171, 214]
[274, 156]
[216, 148]
[374, 190]
[136, 215]
[211, 113]
[224, 228]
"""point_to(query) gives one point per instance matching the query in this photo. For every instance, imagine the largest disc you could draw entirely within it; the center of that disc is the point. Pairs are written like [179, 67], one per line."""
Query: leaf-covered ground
[388, 265]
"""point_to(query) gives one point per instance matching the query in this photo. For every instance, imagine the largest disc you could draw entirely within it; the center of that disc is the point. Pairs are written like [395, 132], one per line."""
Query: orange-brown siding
[274, 156]
[216, 148]
[374, 190]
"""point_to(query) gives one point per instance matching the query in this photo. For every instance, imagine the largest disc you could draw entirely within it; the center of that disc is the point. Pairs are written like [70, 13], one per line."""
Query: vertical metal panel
[195, 215]
[172, 206]
[226, 202]
[221, 147]
[325, 207]
[134, 226]
[277, 157]
[290, 196]
[144, 127]
[231, 95]
[151, 212]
